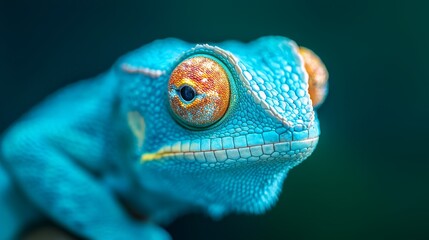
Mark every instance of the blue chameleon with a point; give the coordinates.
(171, 128)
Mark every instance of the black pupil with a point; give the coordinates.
(187, 93)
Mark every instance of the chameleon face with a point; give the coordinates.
(226, 122)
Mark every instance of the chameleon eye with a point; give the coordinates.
(199, 91)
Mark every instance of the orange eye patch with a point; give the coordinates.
(199, 91)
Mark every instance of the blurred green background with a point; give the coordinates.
(369, 176)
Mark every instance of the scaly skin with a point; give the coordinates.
(117, 137)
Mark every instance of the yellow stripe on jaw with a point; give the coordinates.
(154, 156)
(163, 152)
(150, 156)
(289, 148)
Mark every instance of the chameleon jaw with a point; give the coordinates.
(296, 150)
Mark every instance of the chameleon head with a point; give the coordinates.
(221, 126)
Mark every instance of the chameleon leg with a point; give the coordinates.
(68, 195)
(15, 211)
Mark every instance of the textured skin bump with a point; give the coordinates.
(118, 137)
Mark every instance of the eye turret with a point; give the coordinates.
(199, 91)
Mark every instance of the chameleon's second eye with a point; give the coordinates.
(199, 91)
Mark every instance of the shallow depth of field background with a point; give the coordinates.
(369, 176)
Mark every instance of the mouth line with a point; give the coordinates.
(287, 149)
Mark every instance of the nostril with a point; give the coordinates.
(317, 76)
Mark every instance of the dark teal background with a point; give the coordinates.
(369, 176)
